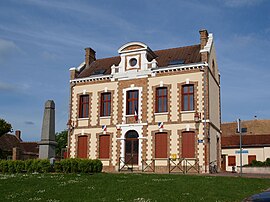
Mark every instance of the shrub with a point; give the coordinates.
(43, 166)
(4, 166)
(58, 167)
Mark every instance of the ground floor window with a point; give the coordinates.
(188, 144)
(82, 146)
(231, 161)
(104, 146)
(251, 158)
(161, 144)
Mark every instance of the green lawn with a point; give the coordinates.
(127, 187)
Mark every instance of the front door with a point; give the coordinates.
(131, 148)
(223, 162)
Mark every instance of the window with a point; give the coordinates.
(161, 99)
(132, 101)
(188, 98)
(104, 146)
(84, 106)
(132, 62)
(251, 158)
(188, 144)
(161, 145)
(82, 147)
(105, 104)
(231, 161)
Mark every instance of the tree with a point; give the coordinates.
(61, 139)
(5, 127)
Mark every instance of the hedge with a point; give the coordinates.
(255, 163)
(43, 166)
(78, 166)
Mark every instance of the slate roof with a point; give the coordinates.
(247, 141)
(190, 54)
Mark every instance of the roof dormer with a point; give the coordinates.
(136, 60)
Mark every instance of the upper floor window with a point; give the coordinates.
(161, 99)
(188, 97)
(105, 104)
(132, 101)
(84, 106)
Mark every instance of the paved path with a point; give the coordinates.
(247, 175)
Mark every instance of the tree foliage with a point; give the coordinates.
(61, 139)
(5, 127)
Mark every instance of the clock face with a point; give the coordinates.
(132, 62)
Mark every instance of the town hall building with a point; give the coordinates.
(148, 110)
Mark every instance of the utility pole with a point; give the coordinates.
(239, 130)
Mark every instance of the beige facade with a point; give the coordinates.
(140, 69)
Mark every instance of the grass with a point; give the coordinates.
(127, 187)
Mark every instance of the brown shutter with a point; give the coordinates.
(82, 147)
(104, 146)
(251, 158)
(188, 145)
(231, 161)
(161, 142)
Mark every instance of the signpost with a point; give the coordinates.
(240, 134)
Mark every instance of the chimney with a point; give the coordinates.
(203, 37)
(18, 134)
(90, 56)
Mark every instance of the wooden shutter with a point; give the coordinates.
(188, 145)
(251, 158)
(161, 143)
(104, 146)
(82, 147)
(231, 161)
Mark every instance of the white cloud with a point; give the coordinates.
(6, 49)
(11, 87)
(241, 3)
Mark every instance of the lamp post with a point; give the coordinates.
(239, 130)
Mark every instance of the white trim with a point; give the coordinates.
(77, 68)
(180, 67)
(120, 50)
(91, 78)
(208, 45)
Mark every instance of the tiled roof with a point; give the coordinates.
(253, 127)
(190, 54)
(233, 141)
(30, 147)
(8, 141)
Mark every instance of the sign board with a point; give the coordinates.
(200, 141)
(243, 152)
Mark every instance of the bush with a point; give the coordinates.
(4, 166)
(43, 166)
(256, 163)
(79, 166)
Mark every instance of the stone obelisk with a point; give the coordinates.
(47, 144)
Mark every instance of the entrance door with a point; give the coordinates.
(131, 147)
(223, 162)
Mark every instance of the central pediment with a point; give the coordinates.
(132, 46)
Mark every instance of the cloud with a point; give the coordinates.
(48, 55)
(6, 49)
(29, 123)
(11, 87)
(241, 3)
